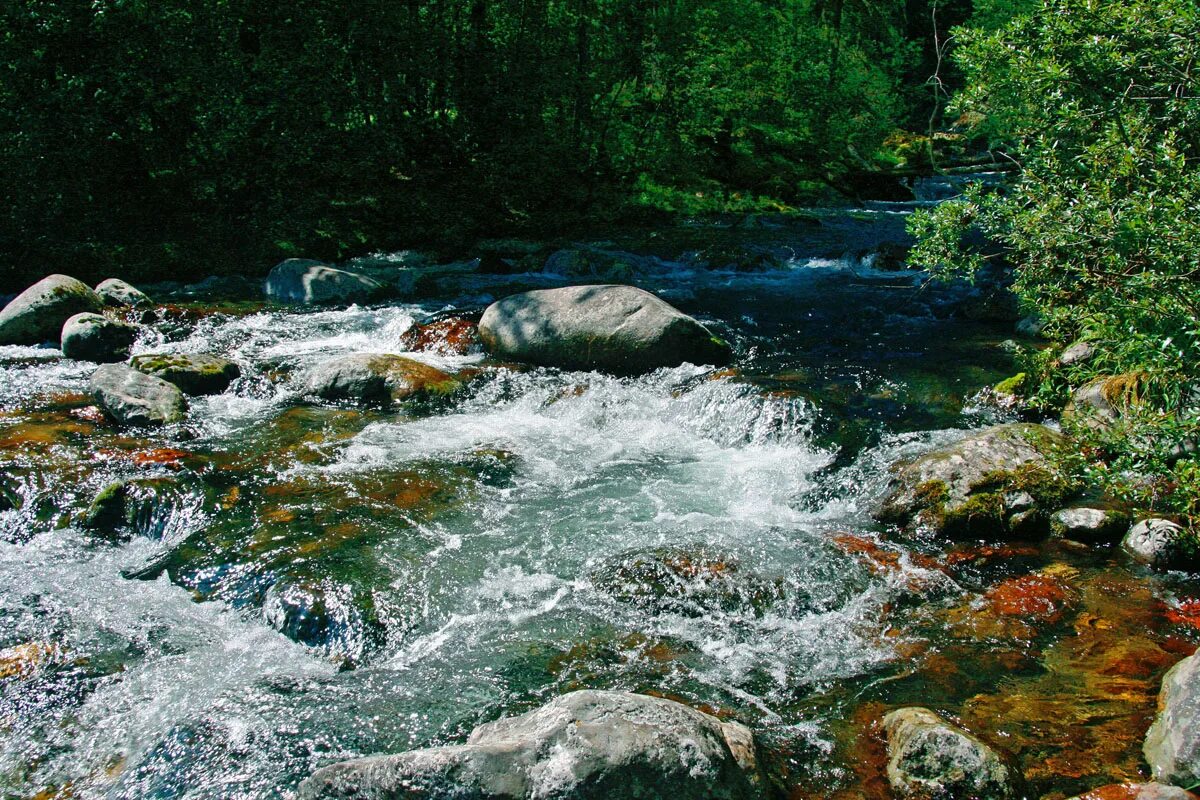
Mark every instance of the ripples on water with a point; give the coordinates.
(545, 531)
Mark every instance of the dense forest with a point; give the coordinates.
(149, 138)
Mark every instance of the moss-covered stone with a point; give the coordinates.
(996, 482)
(1012, 386)
(195, 374)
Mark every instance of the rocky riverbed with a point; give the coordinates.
(273, 537)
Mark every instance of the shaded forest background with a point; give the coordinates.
(160, 138)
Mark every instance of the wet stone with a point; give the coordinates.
(326, 615)
(93, 337)
(1172, 747)
(453, 336)
(687, 581)
(116, 292)
(930, 759)
(997, 481)
(375, 379)
(619, 329)
(586, 744)
(194, 374)
(133, 398)
(307, 282)
(1162, 544)
(1092, 524)
(142, 506)
(38, 313)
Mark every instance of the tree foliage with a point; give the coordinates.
(1098, 102)
(161, 137)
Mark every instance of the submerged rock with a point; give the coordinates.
(996, 481)
(1172, 746)
(116, 292)
(619, 329)
(93, 337)
(378, 379)
(930, 759)
(141, 506)
(1162, 544)
(688, 581)
(37, 314)
(196, 374)
(326, 615)
(133, 398)
(300, 280)
(1092, 524)
(590, 745)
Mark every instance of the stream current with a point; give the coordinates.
(304, 583)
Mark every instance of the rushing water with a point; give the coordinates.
(308, 583)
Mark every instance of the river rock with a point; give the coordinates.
(37, 314)
(1101, 402)
(300, 280)
(94, 337)
(995, 481)
(1078, 353)
(586, 745)
(1136, 791)
(453, 336)
(142, 506)
(193, 373)
(691, 581)
(325, 615)
(1162, 544)
(1093, 524)
(930, 759)
(372, 378)
(1172, 746)
(116, 292)
(619, 329)
(134, 398)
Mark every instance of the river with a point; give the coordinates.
(303, 583)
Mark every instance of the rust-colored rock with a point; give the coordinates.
(453, 336)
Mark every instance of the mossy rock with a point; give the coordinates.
(1101, 402)
(194, 374)
(996, 482)
(1012, 386)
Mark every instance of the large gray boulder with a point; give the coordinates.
(133, 398)
(619, 329)
(586, 745)
(193, 373)
(299, 280)
(94, 337)
(1172, 746)
(378, 379)
(1162, 544)
(116, 292)
(996, 481)
(37, 314)
(928, 758)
